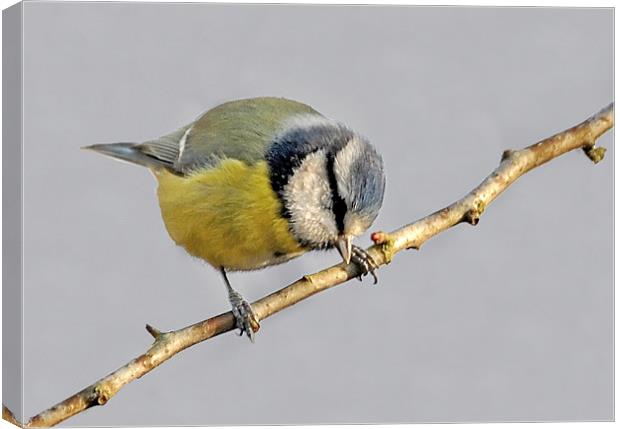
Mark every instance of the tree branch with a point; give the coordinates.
(10, 417)
(468, 209)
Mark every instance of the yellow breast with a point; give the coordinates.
(227, 215)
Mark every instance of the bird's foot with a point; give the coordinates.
(246, 319)
(365, 262)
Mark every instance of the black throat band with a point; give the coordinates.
(339, 207)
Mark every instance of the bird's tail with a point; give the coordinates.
(128, 152)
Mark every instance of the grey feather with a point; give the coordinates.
(165, 148)
(128, 152)
(157, 153)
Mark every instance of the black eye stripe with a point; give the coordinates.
(287, 152)
(339, 207)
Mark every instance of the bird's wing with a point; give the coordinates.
(241, 129)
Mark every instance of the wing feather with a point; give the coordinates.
(241, 129)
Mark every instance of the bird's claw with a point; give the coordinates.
(246, 319)
(365, 262)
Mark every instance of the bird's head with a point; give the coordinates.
(330, 181)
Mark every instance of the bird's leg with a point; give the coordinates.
(247, 321)
(365, 262)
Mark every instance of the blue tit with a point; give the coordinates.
(256, 182)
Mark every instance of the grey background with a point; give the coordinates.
(511, 320)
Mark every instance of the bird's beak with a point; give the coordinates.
(343, 244)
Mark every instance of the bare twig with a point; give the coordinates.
(468, 209)
(9, 416)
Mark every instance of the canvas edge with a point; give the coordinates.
(12, 201)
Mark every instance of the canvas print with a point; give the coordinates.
(324, 214)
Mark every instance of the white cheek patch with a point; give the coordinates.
(342, 165)
(307, 197)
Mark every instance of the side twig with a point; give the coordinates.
(468, 209)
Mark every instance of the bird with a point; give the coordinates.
(256, 182)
